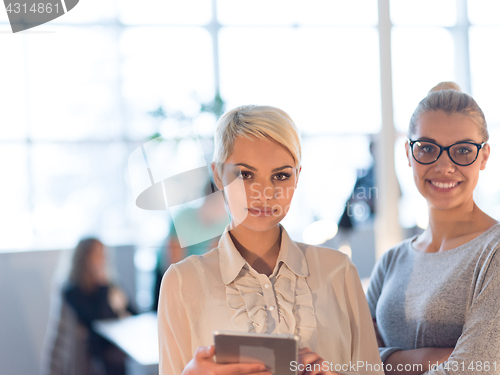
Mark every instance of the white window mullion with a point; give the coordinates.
(388, 231)
(461, 37)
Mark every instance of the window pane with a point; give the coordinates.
(12, 88)
(486, 194)
(484, 12)
(319, 194)
(72, 76)
(337, 12)
(15, 221)
(4, 19)
(289, 12)
(79, 189)
(299, 70)
(421, 58)
(176, 74)
(183, 155)
(424, 12)
(255, 12)
(89, 11)
(175, 12)
(484, 61)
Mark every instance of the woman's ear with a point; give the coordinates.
(297, 174)
(217, 178)
(486, 154)
(407, 149)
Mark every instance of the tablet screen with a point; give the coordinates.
(277, 352)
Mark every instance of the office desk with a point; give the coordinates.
(137, 336)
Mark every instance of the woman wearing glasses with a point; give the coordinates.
(434, 298)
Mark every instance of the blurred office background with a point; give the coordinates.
(81, 93)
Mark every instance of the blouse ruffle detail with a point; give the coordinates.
(294, 300)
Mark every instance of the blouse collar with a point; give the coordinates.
(231, 261)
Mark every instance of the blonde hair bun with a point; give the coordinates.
(447, 85)
(447, 97)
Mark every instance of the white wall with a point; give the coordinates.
(25, 283)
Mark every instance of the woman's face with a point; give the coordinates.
(444, 184)
(260, 196)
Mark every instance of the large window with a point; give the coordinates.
(81, 93)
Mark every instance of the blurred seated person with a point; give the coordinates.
(364, 193)
(92, 296)
(198, 226)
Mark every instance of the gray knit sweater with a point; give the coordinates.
(445, 299)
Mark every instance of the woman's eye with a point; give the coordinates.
(281, 176)
(464, 151)
(427, 149)
(246, 175)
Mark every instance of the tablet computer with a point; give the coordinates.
(277, 352)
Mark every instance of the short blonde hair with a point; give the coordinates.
(447, 97)
(264, 122)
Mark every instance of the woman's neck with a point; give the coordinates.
(259, 249)
(448, 229)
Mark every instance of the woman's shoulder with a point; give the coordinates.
(487, 244)
(400, 252)
(193, 266)
(207, 259)
(325, 260)
(491, 235)
(400, 248)
(320, 251)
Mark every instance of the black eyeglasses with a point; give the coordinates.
(461, 153)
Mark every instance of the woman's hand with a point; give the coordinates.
(117, 300)
(312, 361)
(416, 361)
(203, 364)
(380, 342)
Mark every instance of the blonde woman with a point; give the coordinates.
(435, 297)
(258, 279)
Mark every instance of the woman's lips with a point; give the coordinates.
(261, 212)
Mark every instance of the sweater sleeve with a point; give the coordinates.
(174, 331)
(373, 294)
(364, 346)
(478, 348)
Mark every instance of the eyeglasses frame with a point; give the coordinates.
(447, 149)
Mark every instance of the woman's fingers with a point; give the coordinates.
(312, 363)
(242, 369)
(306, 356)
(203, 363)
(204, 352)
(304, 350)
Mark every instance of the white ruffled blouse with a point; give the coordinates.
(313, 292)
